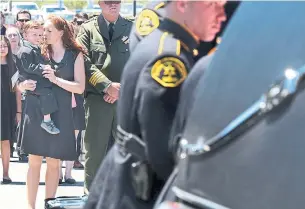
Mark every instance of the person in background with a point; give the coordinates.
(22, 17)
(78, 20)
(106, 38)
(2, 22)
(79, 111)
(13, 35)
(8, 104)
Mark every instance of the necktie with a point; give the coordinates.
(110, 27)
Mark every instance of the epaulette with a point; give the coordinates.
(160, 5)
(129, 18)
(168, 43)
(169, 71)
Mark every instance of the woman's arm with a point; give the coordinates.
(78, 85)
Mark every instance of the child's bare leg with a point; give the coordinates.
(47, 118)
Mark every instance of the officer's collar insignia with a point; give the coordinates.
(218, 40)
(169, 72)
(147, 22)
(195, 52)
(125, 40)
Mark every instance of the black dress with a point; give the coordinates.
(8, 105)
(37, 141)
(79, 113)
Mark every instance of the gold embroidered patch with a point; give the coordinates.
(147, 22)
(169, 72)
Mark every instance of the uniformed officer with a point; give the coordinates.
(137, 166)
(187, 98)
(106, 39)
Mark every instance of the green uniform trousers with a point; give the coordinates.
(100, 123)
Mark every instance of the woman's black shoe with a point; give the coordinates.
(6, 181)
(60, 181)
(70, 181)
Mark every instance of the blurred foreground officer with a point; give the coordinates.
(106, 38)
(135, 169)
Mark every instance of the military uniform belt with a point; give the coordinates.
(131, 143)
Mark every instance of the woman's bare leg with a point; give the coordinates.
(33, 178)
(6, 155)
(52, 177)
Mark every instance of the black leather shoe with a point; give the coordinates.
(70, 181)
(6, 181)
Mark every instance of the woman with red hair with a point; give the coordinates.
(65, 69)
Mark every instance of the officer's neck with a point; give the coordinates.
(110, 18)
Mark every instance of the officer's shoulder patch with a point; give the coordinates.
(147, 22)
(169, 71)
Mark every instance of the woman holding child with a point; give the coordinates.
(59, 50)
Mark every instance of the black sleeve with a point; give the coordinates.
(157, 104)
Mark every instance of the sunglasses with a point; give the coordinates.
(112, 2)
(23, 20)
(79, 22)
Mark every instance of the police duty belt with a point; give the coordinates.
(279, 92)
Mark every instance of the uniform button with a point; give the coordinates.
(126, 50)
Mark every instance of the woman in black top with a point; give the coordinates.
(8, 105)
(66, 56)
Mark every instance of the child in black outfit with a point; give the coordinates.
(30, 64)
